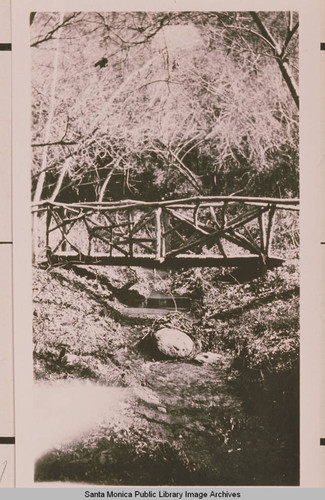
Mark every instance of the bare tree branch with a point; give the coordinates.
(105, 183)
(50, 34)
(183, 169)
(249, 30)
(288, 38)
(283, 64)
(56, 143)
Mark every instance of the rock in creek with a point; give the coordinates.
(173, 343)
(209, 358)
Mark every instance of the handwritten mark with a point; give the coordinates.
(3, 466)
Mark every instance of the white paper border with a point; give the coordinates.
(312, 456)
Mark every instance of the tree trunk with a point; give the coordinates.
(60, 179)
(41, 179)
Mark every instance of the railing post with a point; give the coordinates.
(224, 214)
(130, 228)
(218, 241)
(261, 222)
(196, 214)
(166, 244)
(269, 232)
(159, 254)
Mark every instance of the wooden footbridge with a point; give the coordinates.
(200, 231)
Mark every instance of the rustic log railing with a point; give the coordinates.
(200, 231)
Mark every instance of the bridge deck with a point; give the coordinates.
(181, 261)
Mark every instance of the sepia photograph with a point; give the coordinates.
(165, 247)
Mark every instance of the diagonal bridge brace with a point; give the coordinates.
(229, 230)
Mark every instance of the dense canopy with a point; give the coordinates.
(160, 105)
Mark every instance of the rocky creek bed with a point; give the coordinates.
(167, 422)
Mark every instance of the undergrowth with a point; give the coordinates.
(81, 331)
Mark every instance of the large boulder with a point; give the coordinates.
(173, 343)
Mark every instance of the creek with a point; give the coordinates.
(177, 423)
